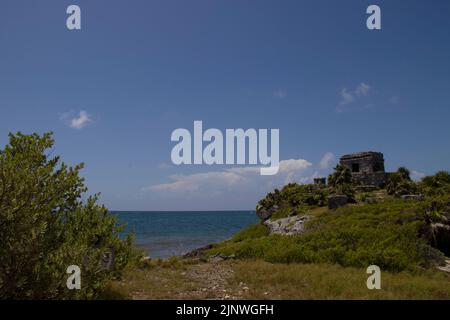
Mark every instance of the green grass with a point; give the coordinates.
(254, 231)
(324, 281)
(384, 234)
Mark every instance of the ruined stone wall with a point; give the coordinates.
(378, 179)
(367, 168)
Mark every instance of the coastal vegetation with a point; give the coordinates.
(48, 224)
(378, 227)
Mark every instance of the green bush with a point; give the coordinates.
(281, 213)
(436, 185)
(295, 197)
(340, 182)
(45, 226)
(400, 183)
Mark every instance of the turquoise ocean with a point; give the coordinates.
(163, 234)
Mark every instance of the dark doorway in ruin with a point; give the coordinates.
(355, 167)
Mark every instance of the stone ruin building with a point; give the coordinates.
(367, 168)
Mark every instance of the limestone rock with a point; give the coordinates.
(287, 226)
(265, 213)
(220, 257)
(197, 253)
(446, 267)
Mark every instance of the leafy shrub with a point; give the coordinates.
(281, 213)
(437, 222)
(46, 227)
(295, 197)
(437, 184)
(400, 183)
(340, 182)
(340, 176)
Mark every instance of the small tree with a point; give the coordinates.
(46, 227)
(400, 183)
(341, 182)
(437, 184)
(340, 176)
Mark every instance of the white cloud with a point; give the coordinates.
(327, 160)
(77, 121)
(280, 93)
(238, 178)
(349, 97)
(362, 89)
(81, 121)
(346, 97)
(197, 181)
(293, 165)
(226, 188)
(417, 175)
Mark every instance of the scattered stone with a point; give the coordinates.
(337, 201)
(287, 226)
(220, 257)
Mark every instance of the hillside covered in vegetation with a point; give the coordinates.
(387, 227)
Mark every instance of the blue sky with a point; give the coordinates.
(113, 92)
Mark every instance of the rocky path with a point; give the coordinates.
(213, 281)
(201, 280)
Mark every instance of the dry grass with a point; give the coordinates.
(177, 280)
(242, 279)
